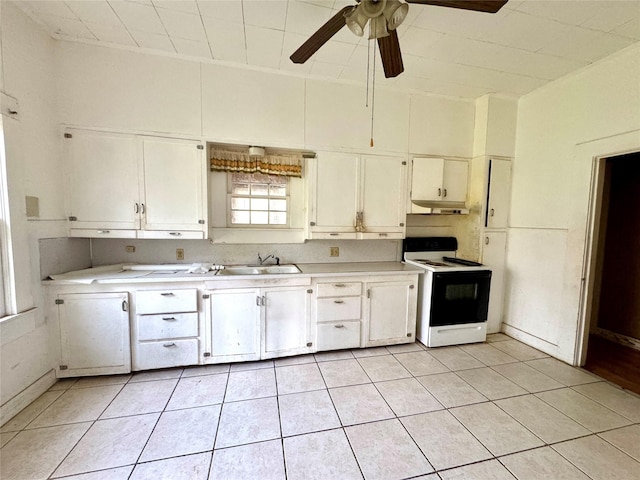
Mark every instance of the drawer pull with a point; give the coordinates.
(339, 326)
(338, 301)
(169, 319)
(339, 285)
(167, 294)
(334, 234)
(175, 234)
(104, 231)
(169, 345)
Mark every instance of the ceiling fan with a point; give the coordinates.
(383, 16)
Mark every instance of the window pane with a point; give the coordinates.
(259, 204)
(240, 217)
(277, 190)
(278, 218)
(259, 218)
(239, 203)
(240, 188)
(279, 205)
(241, 177)
(259, 189)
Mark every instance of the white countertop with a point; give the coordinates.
(110, 274)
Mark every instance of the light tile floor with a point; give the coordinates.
(499, 410)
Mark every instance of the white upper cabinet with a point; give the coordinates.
(174, 192)
(438, 180)
(353, 196)
(383, 182)
(499, 193)
(102, 175)
(127, 186)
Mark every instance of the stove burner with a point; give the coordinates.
(433, 263)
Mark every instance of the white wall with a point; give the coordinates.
(544, 266)
(33, 168)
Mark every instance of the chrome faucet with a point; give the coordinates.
(262, 260)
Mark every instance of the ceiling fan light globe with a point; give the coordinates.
(373, 8)
(395, 12)
(378, 28)
(356, 21)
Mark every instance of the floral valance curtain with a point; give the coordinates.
(229, 161)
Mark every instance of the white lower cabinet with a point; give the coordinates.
(233, 320)
(93, 334)
(258, 323)
(166, 329)
(493, 255)
(391, 311)
(364, 312)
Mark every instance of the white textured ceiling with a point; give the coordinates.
(445, 51)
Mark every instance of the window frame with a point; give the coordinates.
(231, 196)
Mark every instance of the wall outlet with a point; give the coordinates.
(179, 253)
(334, 251)
(130, 248)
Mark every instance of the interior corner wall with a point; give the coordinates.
(543, 270)
(33, 169)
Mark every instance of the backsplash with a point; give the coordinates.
(60, 255)
(112, 251)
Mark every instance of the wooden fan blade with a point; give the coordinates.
(322, 36)
(488, 6)
(390, 54)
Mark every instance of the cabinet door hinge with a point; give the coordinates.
(409, 335)
(206, 295)
(63, 367)
(404, 163)
(309, 344)
(73, 219)
(68, 135)
(59, 301)
(201, 222)
(402, 224)
(411, 287)
(313, 224)
(206, 354)
(310, 291)
(368, 293)
(200, 147)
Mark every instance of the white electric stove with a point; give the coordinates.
(453, 294)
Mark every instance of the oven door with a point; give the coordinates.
(458, 298)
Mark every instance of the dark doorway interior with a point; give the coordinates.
(614, 341)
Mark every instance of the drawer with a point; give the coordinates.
(167, 325)
(338, 308)
(166, 301)
(170, 353)
(338, 289)
(337, 335)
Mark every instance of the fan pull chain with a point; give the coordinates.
(366, 102)
(373, 91)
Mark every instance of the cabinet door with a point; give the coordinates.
(383, 181)
(94, 334)
(391, 312)
(102, 175)
(173, 190)
(499, 193)
(286, 321)
(334, 196)
(426, 179)
(234, 318)
(493, 255)
(456, 178)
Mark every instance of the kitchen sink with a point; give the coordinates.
(259, 270)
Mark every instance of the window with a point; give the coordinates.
(256, 199)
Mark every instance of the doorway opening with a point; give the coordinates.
(613, 350)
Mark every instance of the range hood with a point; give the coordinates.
(440, 208)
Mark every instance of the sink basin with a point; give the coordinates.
(260, 270)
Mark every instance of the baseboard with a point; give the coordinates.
(532, 341)
(13, 406)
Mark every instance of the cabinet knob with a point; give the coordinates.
(486, 240)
